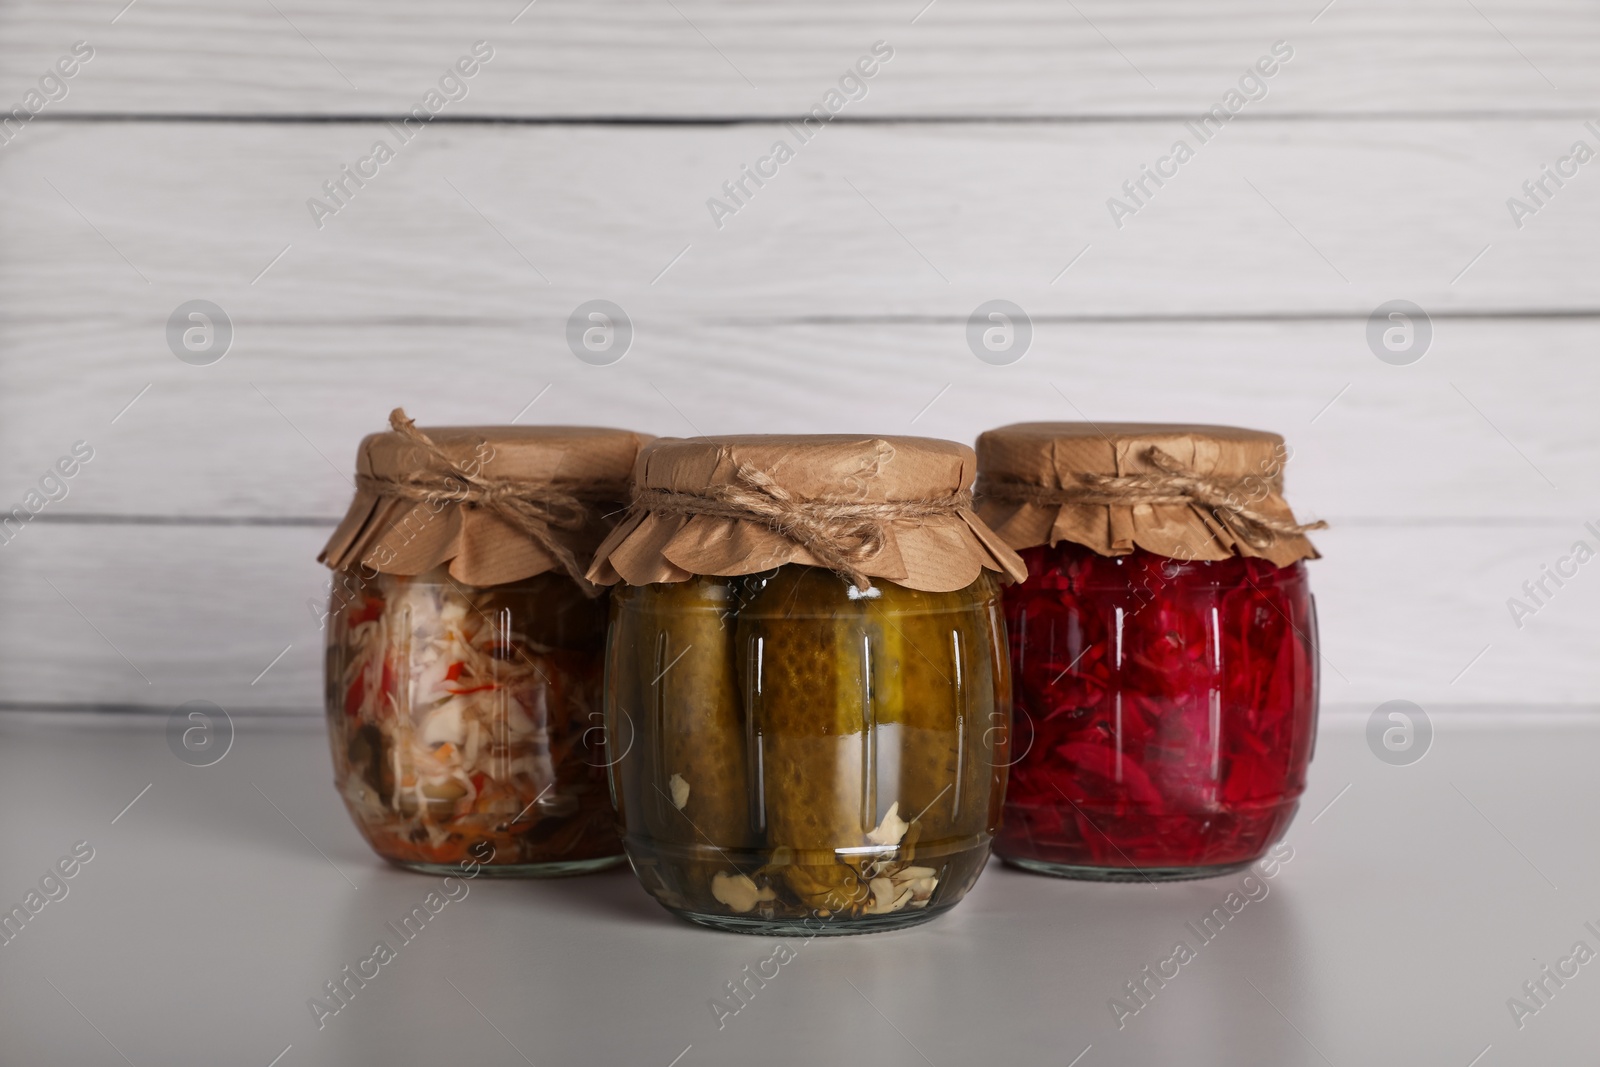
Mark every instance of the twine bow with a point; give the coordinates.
(843, 537)
(1171, 483)
(537, 511)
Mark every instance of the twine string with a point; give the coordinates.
(538, 511)
(1171, 483)
(842, 536)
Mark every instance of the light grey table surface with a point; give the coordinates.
(1416, 903)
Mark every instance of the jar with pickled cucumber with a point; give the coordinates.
(802, 745)
(465, 649)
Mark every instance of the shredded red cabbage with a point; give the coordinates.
(1166, 710)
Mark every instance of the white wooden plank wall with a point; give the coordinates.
(716, 58)
(178, 163)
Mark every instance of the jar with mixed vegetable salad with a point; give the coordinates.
(807, 679)
(465, 647)
(1163, 647)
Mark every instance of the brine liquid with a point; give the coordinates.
(791, 750)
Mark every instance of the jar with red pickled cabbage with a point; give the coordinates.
(1163, 647)
(465, 648)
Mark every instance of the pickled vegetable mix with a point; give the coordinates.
(803, 750)
(461, 716)
(466, 648)
(1163, 648)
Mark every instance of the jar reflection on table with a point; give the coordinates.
(464, 720)
(795, 756)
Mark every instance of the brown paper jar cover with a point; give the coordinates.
(938, 553)
(397, 536)
(1055, 455)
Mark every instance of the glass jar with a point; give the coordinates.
(1165, 712)
(796, 756)
(466, 649)
(465, 722)
(1163, 647)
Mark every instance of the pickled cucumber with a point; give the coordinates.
(933, 671)
(677, 728)
(810, 705)
(699, 784)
